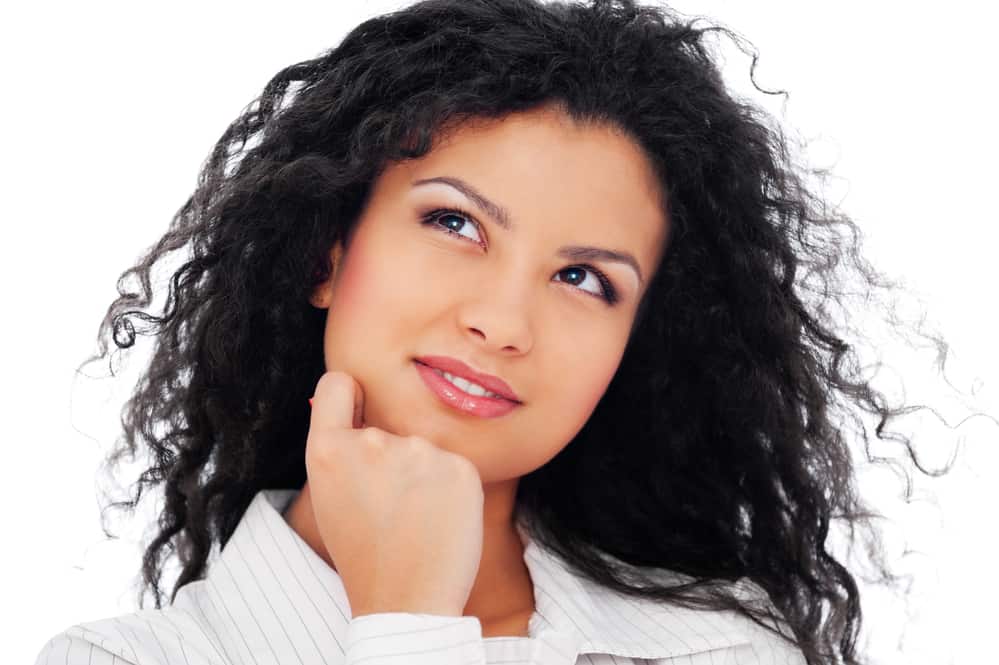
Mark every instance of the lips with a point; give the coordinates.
(458, 368)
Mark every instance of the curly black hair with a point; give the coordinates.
(730, 464)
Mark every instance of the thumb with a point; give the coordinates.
(338, 402)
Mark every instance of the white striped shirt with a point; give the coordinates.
(268, 598)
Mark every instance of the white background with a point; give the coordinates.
(109, 109)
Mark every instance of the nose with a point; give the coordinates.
(498, 327)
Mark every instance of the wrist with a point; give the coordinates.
(437, 609)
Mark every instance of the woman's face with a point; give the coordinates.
(509, 302)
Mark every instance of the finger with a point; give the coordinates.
(358, 405)
(338, 402)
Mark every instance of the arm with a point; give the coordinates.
(79, 646)
(152, 638)
(397, 638)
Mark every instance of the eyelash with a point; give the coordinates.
(429, 219)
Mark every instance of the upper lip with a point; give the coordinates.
(454, 366)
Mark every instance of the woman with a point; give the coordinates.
(542, 281)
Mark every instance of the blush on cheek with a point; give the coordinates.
(350, 279)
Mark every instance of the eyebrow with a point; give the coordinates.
(501, 216)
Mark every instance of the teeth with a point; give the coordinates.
(468, 386)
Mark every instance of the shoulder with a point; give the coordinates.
(147, 637)
(733, 638)
(747, 643)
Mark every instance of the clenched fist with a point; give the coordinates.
(400, 518)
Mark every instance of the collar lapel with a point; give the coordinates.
(268, 565)
(598, 620)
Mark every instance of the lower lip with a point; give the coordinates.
(453, 396)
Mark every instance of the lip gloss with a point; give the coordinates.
(456, 398)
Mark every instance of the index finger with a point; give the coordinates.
(338, 402)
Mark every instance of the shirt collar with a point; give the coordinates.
(573, 611)
(601, 620)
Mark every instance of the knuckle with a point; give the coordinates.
(372, 437)
(410, 451)
(319, 451)
(417, 443)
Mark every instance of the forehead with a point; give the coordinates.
(547, 143)
(590, 182)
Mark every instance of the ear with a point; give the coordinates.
(322, 295)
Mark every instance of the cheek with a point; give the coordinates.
(574, 397)
(366, 286)
(348, 292)
(585, 366)
(353, 318)
(374, 300)
(589, 389)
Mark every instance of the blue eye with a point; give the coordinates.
(458, 218)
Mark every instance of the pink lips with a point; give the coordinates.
(451, 395)
(493, 384)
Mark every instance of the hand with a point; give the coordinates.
(400, 518)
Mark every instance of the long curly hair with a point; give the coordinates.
(714, 454)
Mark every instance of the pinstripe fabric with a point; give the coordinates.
(268, 598)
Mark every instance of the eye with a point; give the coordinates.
(606, 291)
(452, 220)
(455, 220)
